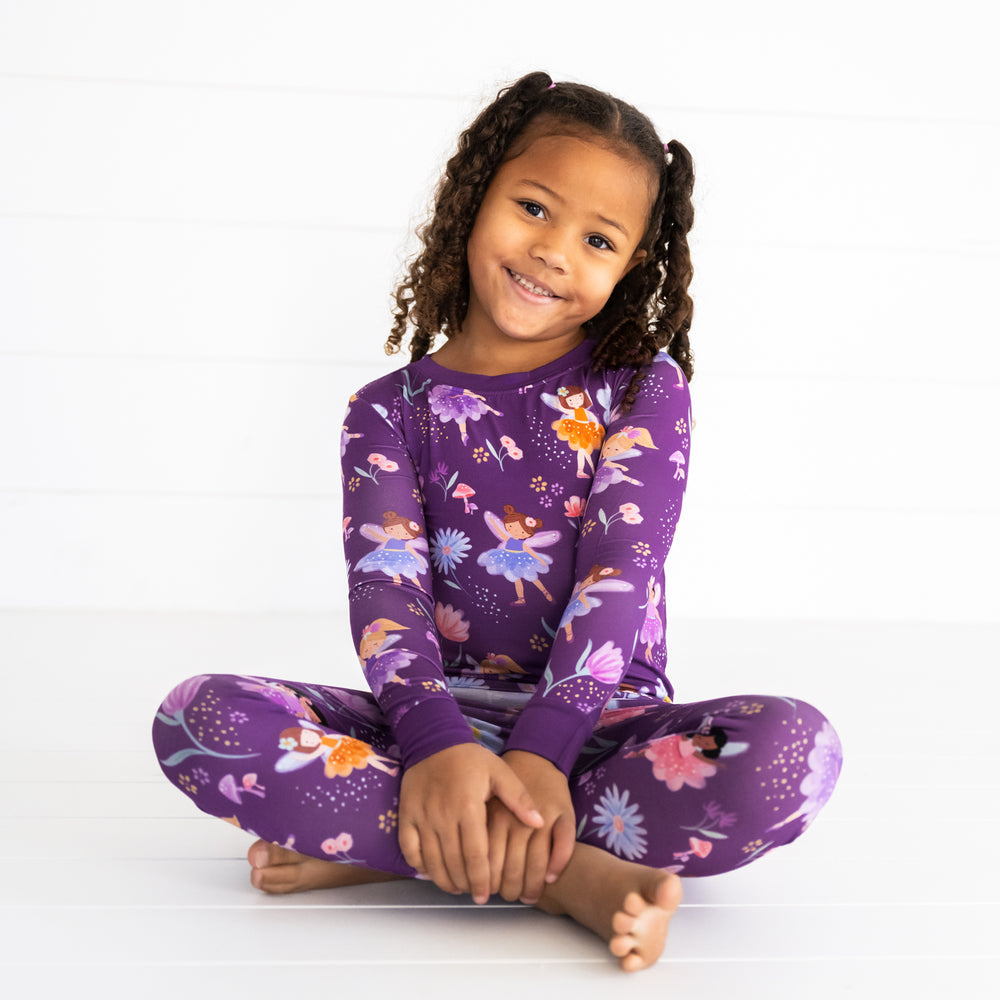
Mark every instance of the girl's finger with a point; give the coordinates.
(434, 864)
(453, 861)
(512, 883)
(535, 867)
(563, 845)
(409, 846)
(475, 850)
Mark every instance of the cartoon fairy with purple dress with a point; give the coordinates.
(651, 632)
(460, 405)
(381, 664)
(624, 444)
(400, 550)
(514, 558)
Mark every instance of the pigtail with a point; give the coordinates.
(676, 307)
(434, 296)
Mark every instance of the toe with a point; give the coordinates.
(621, 944)
(622, 923)
(634, 904)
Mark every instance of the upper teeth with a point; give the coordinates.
(531, 288)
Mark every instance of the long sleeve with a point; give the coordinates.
(613, 620)
(389, 580)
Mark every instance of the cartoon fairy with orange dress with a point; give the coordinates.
(583, 431)
(341, 754)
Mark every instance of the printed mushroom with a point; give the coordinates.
(462, 492)
(678, 459)
(250, 785)
(229, 788)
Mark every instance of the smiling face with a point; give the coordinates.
(558, 228)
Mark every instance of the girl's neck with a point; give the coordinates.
(474, 356)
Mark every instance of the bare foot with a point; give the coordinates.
(628, 905)
(276, 869)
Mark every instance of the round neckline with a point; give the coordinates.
(512, 380)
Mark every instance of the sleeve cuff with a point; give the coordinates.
(551, 732)
(432, 725)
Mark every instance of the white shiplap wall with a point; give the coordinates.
(203, 204)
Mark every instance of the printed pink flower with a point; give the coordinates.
(388, 466)
(376, 459)
(345, 842)
(630, 513)
(605, 664)
(451, 623)
(507, 442)
(575, 507)
(329, 846)
(515, 453)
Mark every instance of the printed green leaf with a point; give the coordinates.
(176, 758)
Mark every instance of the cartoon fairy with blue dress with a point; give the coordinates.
(514, 558)
(582, 601)
(400, 550)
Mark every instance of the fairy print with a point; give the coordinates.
(340, 754)
(624, 444)
(651, 632)
(380, 663)
(515, 557)
(460, 405)
(689, 758)
(577, 426)
(599, 579)
(281, 694)
(400, 550)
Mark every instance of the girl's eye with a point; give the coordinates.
(599, 242)
(533, 209)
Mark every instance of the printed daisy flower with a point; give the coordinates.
(681, 426)
(619, 824)
(538, 484)
(448, 548)
(480, 455)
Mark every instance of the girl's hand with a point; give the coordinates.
(442, 815)
(523, 860)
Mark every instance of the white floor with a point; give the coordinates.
(112, 883)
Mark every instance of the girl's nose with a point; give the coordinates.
(551, 253)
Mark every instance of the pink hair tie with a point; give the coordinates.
(550, 86)
(670, 156)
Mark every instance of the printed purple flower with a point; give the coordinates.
(605, 664)
(619, 824)
(824, 769)
(183, 694)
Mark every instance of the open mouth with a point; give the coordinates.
(529, 286)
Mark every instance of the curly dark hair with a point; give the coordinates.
(649, 308)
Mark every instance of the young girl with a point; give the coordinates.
(556, 258)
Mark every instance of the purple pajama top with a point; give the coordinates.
(505, 539)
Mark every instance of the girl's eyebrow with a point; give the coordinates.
(561, 200)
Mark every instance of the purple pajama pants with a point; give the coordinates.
(698, 789)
